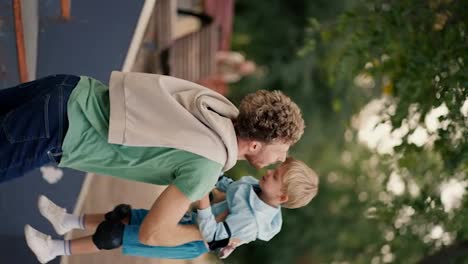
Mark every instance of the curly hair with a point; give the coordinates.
(269, 116)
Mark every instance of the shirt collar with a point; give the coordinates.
(260, 206)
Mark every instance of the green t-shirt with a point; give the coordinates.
(85, 148)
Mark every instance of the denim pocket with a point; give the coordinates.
(28, 122)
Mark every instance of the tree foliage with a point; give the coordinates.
(403, 60)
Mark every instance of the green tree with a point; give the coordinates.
(398, 63)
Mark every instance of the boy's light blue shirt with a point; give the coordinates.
(249, 217)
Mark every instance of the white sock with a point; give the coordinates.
(60, 247)
(58, 216)
(43, 246)
(71, 221)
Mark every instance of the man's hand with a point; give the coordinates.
(218, 196)
(160, 227)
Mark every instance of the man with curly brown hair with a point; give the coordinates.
(144, 127)
(269, 121)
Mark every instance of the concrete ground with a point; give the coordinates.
(92, 43)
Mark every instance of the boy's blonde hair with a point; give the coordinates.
(299, 182)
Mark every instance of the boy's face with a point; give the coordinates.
(272, 186)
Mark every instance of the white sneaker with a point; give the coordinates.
(54, 213)
(39, 243)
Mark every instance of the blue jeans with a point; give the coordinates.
(33, 120)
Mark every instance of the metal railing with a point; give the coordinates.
(65, 14)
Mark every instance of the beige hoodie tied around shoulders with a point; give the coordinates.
(161, 111)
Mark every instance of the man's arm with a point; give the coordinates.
(160, 227)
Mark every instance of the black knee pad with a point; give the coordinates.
(120, 212)
(108, 235)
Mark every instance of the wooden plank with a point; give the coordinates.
(193, 56)
(165, 12)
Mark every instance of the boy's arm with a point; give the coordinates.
(223, 183)
(209, 228)
(218, 234)
(227, 250)
(160, 227)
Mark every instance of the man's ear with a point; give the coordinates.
(255, 146)
(283, 198)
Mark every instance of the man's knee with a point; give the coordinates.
(108, 235)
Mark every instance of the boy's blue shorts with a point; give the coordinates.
(132, 246)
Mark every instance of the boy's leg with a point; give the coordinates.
(46, 249)
(108, 235)
(83, 245)
(33, 121)
(64, 222)
(121, 213)
(91, 221)
(59, 218)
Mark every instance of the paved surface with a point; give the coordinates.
(93, 43)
